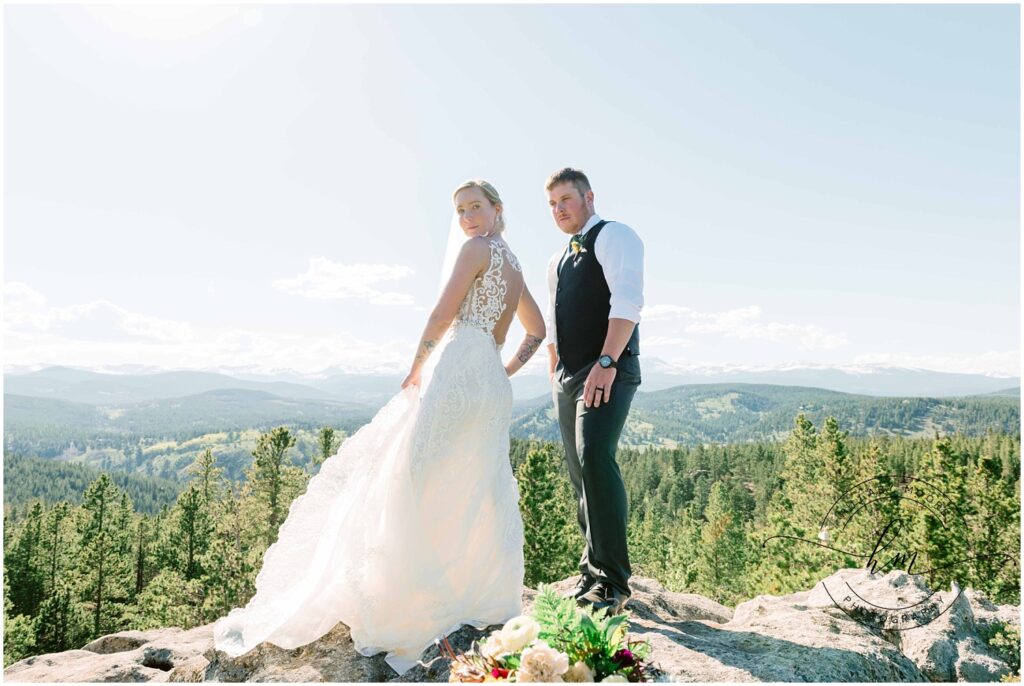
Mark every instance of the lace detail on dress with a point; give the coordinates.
(413, 527)
(485, 302)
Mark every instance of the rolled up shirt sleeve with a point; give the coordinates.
(549, 320)
(620, 252)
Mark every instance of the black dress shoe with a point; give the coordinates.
(595, 594)
(603, 595)
(614, 602)
(582, 586)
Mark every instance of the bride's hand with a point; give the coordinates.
(412, 380)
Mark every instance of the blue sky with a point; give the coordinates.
(268, 187)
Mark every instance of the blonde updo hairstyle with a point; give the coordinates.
(491, 194)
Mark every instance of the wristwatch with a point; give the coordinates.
(606, 361)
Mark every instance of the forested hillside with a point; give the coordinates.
(51, 481)
(722, 521)
(733, 413)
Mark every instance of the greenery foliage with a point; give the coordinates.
(583, 634)
(125, 553)
(1004, 640)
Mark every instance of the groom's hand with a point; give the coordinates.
(598, 386)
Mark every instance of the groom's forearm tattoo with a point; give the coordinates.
(528, 348)
(425, 349)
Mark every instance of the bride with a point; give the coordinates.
(413, 528)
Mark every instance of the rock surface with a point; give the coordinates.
(800, 637)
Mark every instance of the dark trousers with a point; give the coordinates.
(591, 436)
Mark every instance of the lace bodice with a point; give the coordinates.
(379, 538)
(485, 302)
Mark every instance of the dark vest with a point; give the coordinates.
(582, 304)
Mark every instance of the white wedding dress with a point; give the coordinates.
(413, 528)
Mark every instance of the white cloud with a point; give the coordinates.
(26, 309)
(327, 280)
(991, 363)
(666, 341)
(391, 299)
(22, 305)
(103, 334)
(742, 323)
(654, 313)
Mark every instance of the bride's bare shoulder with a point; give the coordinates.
(476, 248)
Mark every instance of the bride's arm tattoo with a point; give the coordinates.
(424, 351)
(429, 341)
(523, 355)
(528, 348)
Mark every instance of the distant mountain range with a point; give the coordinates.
(865, 379)
(372, 390)
(81, 386)
(155, 425)
(738, 412)
(56, 406)
(232, 409)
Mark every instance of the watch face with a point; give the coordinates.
(605, 361)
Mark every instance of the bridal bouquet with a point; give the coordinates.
(558, 642)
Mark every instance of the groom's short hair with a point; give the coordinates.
(569, 175)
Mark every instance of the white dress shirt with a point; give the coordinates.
(620, 252)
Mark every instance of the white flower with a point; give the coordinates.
(494, 646)
(518, 632)
(579, 673)
(614, 679)
(541, 663)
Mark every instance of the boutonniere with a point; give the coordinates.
(576, 245)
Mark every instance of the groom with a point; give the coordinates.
(596, 293)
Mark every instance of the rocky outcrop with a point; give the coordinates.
(800, 637)
(855, 640)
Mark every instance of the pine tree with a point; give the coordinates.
(801, 467)
(720, 566)
(61, 623)
(141, 555)
(837, 464)
(124, 523)
(105, 555)
(207, 474)
(57, 544)
(229, 573)
(940, 532)
(164, 546)
(169, 600)
(796, 511)
(19, 636)
(871, 509)
(272, 480)
(327, 444)
(683, 535)
(649, 548)
(833, 500)
(192, 529)
(549, 516)
(994, 514)
(26, 564)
